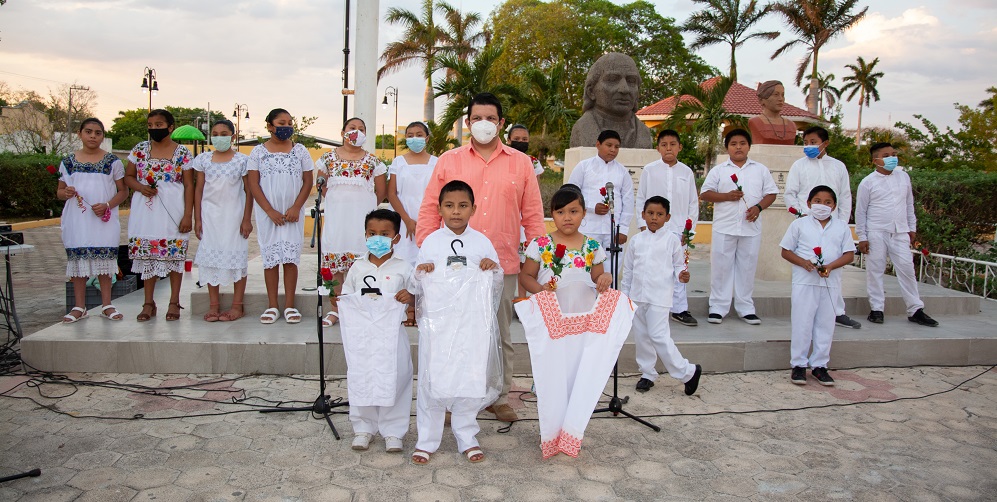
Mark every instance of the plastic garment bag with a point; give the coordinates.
(575, 337)
(460, 356)
(372, 332)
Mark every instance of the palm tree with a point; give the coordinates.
(827, 94)
(460, 39)
(703, 105)
(724, 21)
(543, 108)
(862, 81)
(988, 104)
(419, 44)
(470, 77)
(815, 23)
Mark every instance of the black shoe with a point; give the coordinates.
(693, 383)
(876, 316)
(752, 319)
(921, 318)
(821, 375)
(644, 385)
(715, 319)
(685, 318)
(848, 322)
(799, 375)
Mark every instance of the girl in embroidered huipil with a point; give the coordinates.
(223, 230)
(355, 184)
(90, 181)
(280, 179)
(162, 210)
(565, 254)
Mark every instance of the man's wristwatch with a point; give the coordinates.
(760, 208)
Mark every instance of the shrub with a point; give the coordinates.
(26, 188)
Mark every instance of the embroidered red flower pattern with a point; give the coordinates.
(560, 326)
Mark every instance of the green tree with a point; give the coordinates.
(440, 139)
(460, 39)
(725, 22)
(468, 78)
(543, 110)
(129, 127)
(814, 23)
(418, 45)
(827, 94)
(701, 111)
(862, 81)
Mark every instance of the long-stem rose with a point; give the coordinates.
(795, 212)
(688, 234)
(733, 178)
(820, 260)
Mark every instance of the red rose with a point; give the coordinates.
(817, 251)
(51, 169)
(924, 251)
(326, 273)
(150, 179)
(559, 250)
(792, 210)
(688, 224)
(733, 178)
(602, 191)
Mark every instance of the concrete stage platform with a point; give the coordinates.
(967, 335)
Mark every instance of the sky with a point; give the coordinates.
(288, 53)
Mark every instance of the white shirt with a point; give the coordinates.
(807, 173)
(391, 277)
(756, 182)
(591, 175)
(805, 234)
(437, 247)
(884, 203)
(677, 184)
(651, 265)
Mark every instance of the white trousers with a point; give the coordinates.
(390, 421)
(430, 418)
(812, 319)
(897, 247)
(733, 260)
(652, 336)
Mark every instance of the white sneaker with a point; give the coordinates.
(392, 444)
(361, 442)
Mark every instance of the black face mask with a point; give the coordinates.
(158, 135)
(520, 145)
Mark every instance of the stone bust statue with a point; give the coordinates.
(610, 102)
(771, 128)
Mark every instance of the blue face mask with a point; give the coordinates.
(890, 163)
(811, 151)
(416, 144)
(283, 133)
(378, 245)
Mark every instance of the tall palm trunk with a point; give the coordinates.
(814, 85)
(858, 130)
(733, 64)
(428, 101)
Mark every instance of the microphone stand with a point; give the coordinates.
(615, 402)
(323, 404)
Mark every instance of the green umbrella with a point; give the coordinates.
(188, 133)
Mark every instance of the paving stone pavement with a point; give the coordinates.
(942, 447)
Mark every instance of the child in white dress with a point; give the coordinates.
(223, 252)
(279, 174)
(162, 212)
(355, 185)
(90, 181)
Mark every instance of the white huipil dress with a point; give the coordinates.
(91, 244)
(281, 181)
(223, 253)
(411, 186)
(350, 196)
(155, 243)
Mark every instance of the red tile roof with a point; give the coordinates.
(740, 99)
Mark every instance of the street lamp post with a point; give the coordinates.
(392, 91)
(239, 108)
(69, 107)
(150, 84)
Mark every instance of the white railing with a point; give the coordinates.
(975, 277)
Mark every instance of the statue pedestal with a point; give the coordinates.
(775, 219)
(634, 159)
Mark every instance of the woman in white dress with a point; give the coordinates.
(279, 174)
(355, 185)
(409, 175)
(162, 210)
(223, 230)
(90, 181)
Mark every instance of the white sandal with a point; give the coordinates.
(292, 316)
(70, 319)
(329, 321)
(269, 316)
(114, 315)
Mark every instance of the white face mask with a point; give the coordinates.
(820, 211)
(484, 131)
(355, 137)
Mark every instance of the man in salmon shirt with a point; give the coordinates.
(507, 196)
